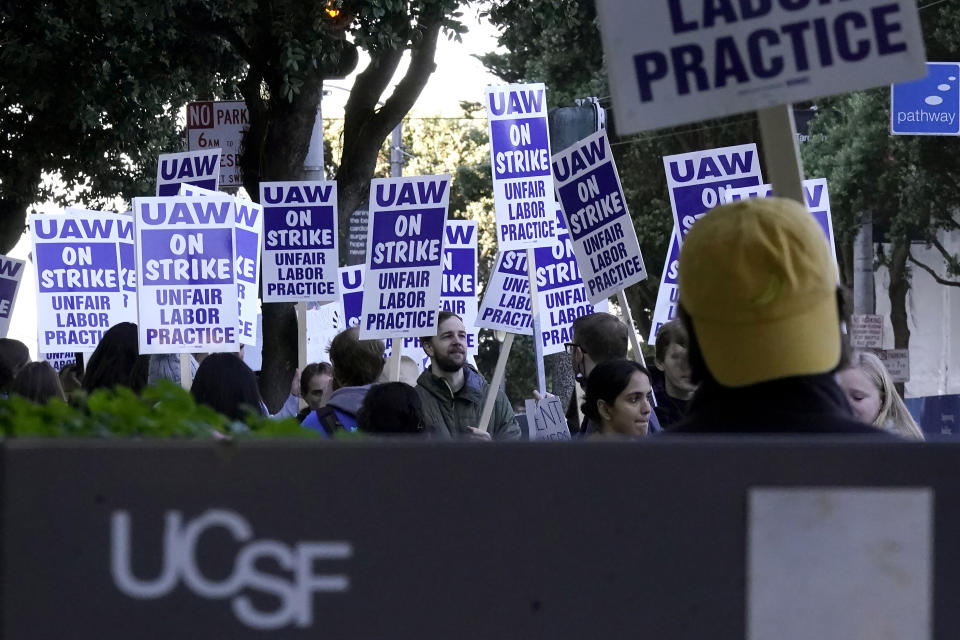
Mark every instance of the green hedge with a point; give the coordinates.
(164, 410)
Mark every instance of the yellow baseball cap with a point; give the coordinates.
(759, 282)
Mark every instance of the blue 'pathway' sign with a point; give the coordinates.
(929, 106)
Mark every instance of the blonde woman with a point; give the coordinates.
(873, 397)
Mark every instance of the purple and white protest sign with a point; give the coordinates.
(560, 291)
(818, 203)
(188, 280)
(595, 210)
(520, 156)
(11, 272)
(80, 286)
(404, 256)
(351, 294)
(506, 301)
(300, 248)
(351, 304)
(459, 292)
(197, 168)
(668, 296)
(247, 238)
(123, 236)
(59, 360)
(697, 180)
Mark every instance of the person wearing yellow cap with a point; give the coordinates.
(760, 299)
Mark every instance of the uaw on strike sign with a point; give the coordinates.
(188, 286)
(80, 278)
(678, 61)
(404, 256)
(520, 156)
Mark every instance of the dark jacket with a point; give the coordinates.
(447, 414)
(669, 410)
(803, 404)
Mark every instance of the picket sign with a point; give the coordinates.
(520, 165)
(495, 383)
(546, 419)
(11, 272)
(404, 263)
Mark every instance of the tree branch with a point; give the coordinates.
(933, 274)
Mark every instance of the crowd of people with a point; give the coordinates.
(758, 346)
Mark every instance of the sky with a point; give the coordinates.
(458, 76)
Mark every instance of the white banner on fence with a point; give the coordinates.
(80, 279)
(300, 250)
(697, 181)
(560, 291)
(595, 209)
(247, 238)
(188, 285)
(520, 158)
(196, 168)
(688, 60)
(404, 256)
(11, 273)
(506, 300)
(818, 203)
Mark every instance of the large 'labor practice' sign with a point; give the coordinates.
(560, 291)
(520, 157)
(80, 279)
(600, 226)
(300, 241)
(188, 284)
(678, 61)
(697, 180)
(506, 301)
(195, 168)
(459, 292)
(247, 236)
(404, 256)
(11, 273)
(816, 195)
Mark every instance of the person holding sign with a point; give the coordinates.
(453, 392)
(618, 398)
(759, 299)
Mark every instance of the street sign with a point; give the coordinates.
(212, 125)
(929, 106)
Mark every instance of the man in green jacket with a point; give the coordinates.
(453, 392)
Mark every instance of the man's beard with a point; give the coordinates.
(447, 363)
